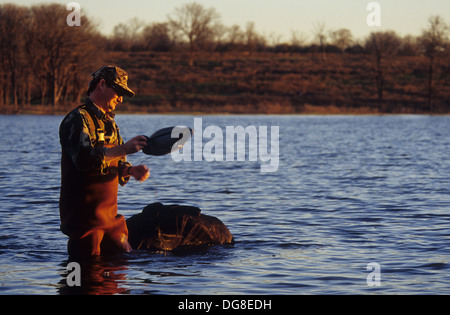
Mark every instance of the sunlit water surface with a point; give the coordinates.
(349, 191)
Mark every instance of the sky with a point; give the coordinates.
(274, 17)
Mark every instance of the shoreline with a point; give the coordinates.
(309, 110)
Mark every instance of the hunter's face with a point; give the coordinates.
(107, 97)
(112, 99)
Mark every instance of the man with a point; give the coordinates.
(93, 164)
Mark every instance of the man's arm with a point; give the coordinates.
(76, 142)
(140, 172)
(134, 145)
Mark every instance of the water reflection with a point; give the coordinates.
(145, 272)
(99, 276)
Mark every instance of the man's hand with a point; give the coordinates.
(135, 145)
(140, 172)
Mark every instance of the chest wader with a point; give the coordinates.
(91, 220)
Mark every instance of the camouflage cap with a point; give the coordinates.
(116, 78)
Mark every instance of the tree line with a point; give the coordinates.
(45, 61)
(42, 59)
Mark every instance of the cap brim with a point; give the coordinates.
(129, 92)
(125, 90)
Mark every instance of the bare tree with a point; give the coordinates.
(252, 38)
(275, 39)
(320, 34)
(298, 38)
(341, 38)
(381, 44)
(156, 37)
(12, 21)
(433, 42)
(59, 55)
(128, 35)
(409, 46)
(121, 37)
(235, 35)
(250, 34)
(195, 23)
(219, 33)
(42, 56)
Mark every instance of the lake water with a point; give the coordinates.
(349, 191)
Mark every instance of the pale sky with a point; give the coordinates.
(279, 17)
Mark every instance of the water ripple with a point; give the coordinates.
(350, 190)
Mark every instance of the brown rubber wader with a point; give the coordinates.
(88, 208)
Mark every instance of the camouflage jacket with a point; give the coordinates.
(84, 134)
